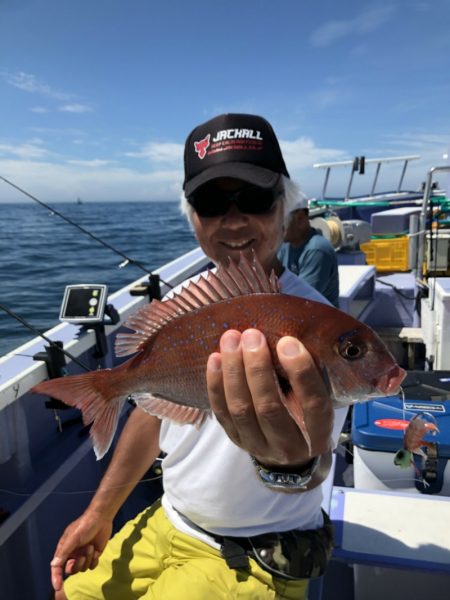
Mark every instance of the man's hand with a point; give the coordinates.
(80, 546)
(245, 397)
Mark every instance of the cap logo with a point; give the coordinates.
(237, 134)
(202, 145)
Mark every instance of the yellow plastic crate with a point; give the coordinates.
(390, 254)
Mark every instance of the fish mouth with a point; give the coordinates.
(389, 383)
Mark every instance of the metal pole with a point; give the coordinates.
(402, 176)
(325, 183)
(377, 172)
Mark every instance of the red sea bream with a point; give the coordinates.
(173, 339)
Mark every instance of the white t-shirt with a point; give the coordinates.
(214, 483)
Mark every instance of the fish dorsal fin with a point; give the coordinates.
(246, 277)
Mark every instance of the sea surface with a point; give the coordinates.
(40, 254)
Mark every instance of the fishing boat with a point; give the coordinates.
(391, 525)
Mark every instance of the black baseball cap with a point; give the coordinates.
(233, 145)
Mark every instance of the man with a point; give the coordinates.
(218, 496)
(308, 254)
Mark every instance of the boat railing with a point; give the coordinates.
(358, 165)
(427, 195)
(20, 371)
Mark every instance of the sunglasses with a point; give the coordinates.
(212, 201)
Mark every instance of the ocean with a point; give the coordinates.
(40, 254)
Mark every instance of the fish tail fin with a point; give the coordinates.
(100, 395)
(295, 409)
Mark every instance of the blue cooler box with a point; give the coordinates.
(376, 437)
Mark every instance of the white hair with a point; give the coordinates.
(289, 190)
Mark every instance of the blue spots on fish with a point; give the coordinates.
(226, 326)
(347, 334)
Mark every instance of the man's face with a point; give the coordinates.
(298, 227)
(229, 235)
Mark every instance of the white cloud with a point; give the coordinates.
(431, 148)
(422, 141)
(75, 108)
(30, 83)
(92, 164)
(328, 97)
(29, 165)
(55, 131)
(39, 109)
(53, 182)
(302, 153)
(164, 152)
(365, 22)
(26, 150)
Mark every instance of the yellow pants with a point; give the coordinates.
(150, 559)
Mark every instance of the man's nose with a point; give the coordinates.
(234, 215)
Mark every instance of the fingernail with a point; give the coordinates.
(290, 348)
(214, 363)
(251, 339)
(230, 341)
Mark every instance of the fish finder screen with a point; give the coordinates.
(84, 303)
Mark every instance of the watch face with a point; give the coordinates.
(286, 480)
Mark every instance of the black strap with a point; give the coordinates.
(234, 554)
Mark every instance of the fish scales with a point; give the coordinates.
(174, 365)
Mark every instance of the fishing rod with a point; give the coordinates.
(127, 260)
(37, 332)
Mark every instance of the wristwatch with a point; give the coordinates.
(284, 480)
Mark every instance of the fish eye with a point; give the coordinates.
(352, 350)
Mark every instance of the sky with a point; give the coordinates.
(98, 96)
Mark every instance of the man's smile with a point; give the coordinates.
(237, 244)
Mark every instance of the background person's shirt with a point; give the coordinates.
(315, 262)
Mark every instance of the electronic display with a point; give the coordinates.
(84, 303)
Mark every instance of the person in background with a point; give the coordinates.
(240, 516)
(310, 255)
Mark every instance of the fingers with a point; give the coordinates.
(245, 396)
(280, 433)
(309, 389)
(59, 562)
(87, 558)
(222, 388)
(56, 573)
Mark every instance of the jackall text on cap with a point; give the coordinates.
(233, 145)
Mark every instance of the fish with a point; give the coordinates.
(413, 441)
(172, 339)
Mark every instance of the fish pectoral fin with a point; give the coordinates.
(164, 408)
(295, 409)
(104, 426)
